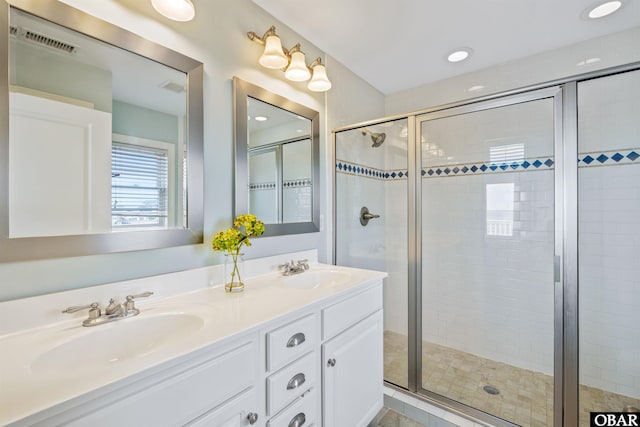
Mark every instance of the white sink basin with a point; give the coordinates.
(104, 345)
(312, 279)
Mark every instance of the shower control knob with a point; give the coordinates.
(252, 418)
(365, 216)
(331, 362)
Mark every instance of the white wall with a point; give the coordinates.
(216, 37)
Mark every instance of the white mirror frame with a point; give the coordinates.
(30, 248)
(241, 91)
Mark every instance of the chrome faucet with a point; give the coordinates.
(112, 312)
(289, 269)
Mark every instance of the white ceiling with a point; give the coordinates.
(400, 44)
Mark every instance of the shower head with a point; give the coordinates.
(377, 138)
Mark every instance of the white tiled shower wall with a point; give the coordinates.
(609, 235)
(382, 244)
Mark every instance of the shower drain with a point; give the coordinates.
(491, 390)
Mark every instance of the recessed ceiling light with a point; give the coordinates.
(261, 118)
(587, 62)
(603, 9)
(476, 88)
(459, 54)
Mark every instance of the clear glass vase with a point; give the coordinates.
(233, 272)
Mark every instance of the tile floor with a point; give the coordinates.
(389, 418)
(525, 398)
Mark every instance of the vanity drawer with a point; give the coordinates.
(290, 382)
(303, 411)
(290, 341)
(340, 316)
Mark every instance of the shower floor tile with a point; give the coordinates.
(525, 397)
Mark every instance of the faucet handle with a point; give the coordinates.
(304, 263)
(285, 266)
(142, 295)
(94, 309)
(130, 305)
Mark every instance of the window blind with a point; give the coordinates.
(139, 194)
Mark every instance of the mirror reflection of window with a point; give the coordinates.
(500, 209)
(141, 196)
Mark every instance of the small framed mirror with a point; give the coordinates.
(276, 160)
(102, 137)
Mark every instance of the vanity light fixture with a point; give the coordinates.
(291, 61)
(319, 81)
(297, 70)
(176, 10)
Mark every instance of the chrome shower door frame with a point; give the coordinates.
(415, 358)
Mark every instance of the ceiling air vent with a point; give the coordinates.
(41, 39)
(173, 86)
(48, 42)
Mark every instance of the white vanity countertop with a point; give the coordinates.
(36, 373)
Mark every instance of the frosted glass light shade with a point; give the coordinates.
(297, 70)
(177, 10)
(319, 81)
(273, 55)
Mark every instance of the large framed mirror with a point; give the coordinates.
(102, 136)
(277, 174)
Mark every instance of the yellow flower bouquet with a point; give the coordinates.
(231, 241)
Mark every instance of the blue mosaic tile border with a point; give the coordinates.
(295, 183)
(607, 158)
(542, 163)
(366, 171)
(262, 186)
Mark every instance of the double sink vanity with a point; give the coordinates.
(293, 351)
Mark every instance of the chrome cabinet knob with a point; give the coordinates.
(252, 418)
(331, 362)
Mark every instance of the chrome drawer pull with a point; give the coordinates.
(296, 381)
(298, 420)
(296, 340)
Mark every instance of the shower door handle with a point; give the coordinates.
(365, 216)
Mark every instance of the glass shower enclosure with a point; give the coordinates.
(475, 218)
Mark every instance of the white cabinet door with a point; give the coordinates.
(239, 412)
(352, 374)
